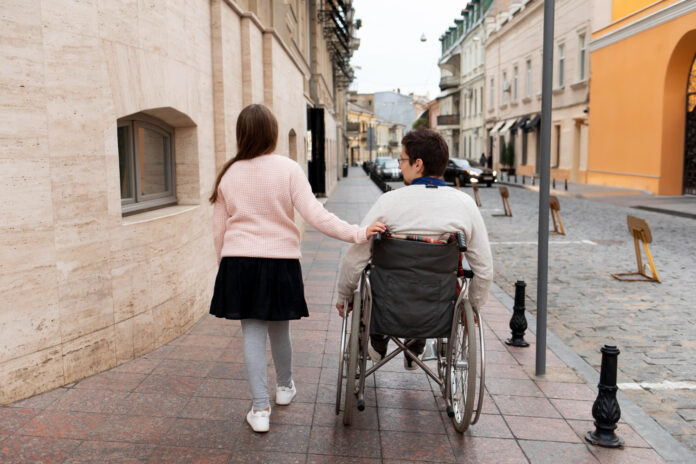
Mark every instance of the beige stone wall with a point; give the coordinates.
(85, 288)
(512, 42)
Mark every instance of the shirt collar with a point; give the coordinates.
(428, 181)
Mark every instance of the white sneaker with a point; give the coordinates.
(284, 395)
(259, 420)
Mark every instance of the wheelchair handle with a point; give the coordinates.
(461, 241)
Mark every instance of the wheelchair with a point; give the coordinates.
(409, 290)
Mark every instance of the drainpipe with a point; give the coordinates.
(312, 54)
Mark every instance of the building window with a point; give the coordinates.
(528, 92)
(491, 96)
(582, 58)
(146, 163)
(561, 66)
(514, 84)
(503, 88)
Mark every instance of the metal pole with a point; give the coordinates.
(543, 257)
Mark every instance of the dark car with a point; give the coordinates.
(458, 168)
(390, 170)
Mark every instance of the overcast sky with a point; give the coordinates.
(391, 54)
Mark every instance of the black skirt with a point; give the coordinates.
(259, 288)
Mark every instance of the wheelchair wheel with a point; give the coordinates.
(342, 358)
(462, 361)
(352, 364)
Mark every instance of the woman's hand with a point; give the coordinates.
(375, 227)
(340, 308)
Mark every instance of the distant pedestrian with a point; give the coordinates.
(482, 160)
(259, 279)
(489, 162)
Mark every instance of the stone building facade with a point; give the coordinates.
(116, 117)
(461, 119)
(513, 50)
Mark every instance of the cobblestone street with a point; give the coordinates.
(652, 324)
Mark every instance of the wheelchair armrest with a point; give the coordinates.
(461, 241)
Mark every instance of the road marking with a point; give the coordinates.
(554, 242)
(666, 385)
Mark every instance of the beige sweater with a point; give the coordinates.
(426, 211)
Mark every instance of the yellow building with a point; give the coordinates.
(361, 132)
(643, 96)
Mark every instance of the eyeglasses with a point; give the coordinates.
(403, 159)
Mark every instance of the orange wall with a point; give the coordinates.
(622, 8)
(636, 125)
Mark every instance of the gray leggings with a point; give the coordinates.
(255, 332)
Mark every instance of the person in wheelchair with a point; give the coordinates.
(426, 207)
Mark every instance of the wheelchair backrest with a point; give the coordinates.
(414, 287)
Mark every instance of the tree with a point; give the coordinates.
(511, 153)
(420, 122)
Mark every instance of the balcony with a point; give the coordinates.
(447, 82)
(448, 120)
(353, 127)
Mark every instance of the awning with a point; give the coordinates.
(507, 126)
(497, 127)
(520, 124)
(447, 93)
(532, 123)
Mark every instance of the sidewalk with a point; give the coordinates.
(681, 205)
(186, 401)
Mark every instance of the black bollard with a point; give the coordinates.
(554, 183)
(515, 178)
(566, 185)
(518, 322)
(523, 180)
(606, 410)
(533, 180)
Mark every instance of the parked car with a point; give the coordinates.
(390, 170)
(377, 164)
(458, 168)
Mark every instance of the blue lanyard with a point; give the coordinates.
(428, 181)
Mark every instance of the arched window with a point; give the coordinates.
(292, 145)
(146, 162)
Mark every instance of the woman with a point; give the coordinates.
(259, 278)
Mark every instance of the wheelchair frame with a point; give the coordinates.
(459, 360)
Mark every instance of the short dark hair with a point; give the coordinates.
(429, 146)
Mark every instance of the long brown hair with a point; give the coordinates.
(257, 134)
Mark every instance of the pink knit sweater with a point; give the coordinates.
(254, 212)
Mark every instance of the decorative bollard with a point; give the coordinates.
(606, 410)
(566, 185)
(553, 182)
(518, 322)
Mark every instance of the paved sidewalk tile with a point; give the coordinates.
(186, 402)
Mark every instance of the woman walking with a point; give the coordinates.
(259, 278)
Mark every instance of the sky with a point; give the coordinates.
(391, 55)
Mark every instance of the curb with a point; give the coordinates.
(661, 441)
